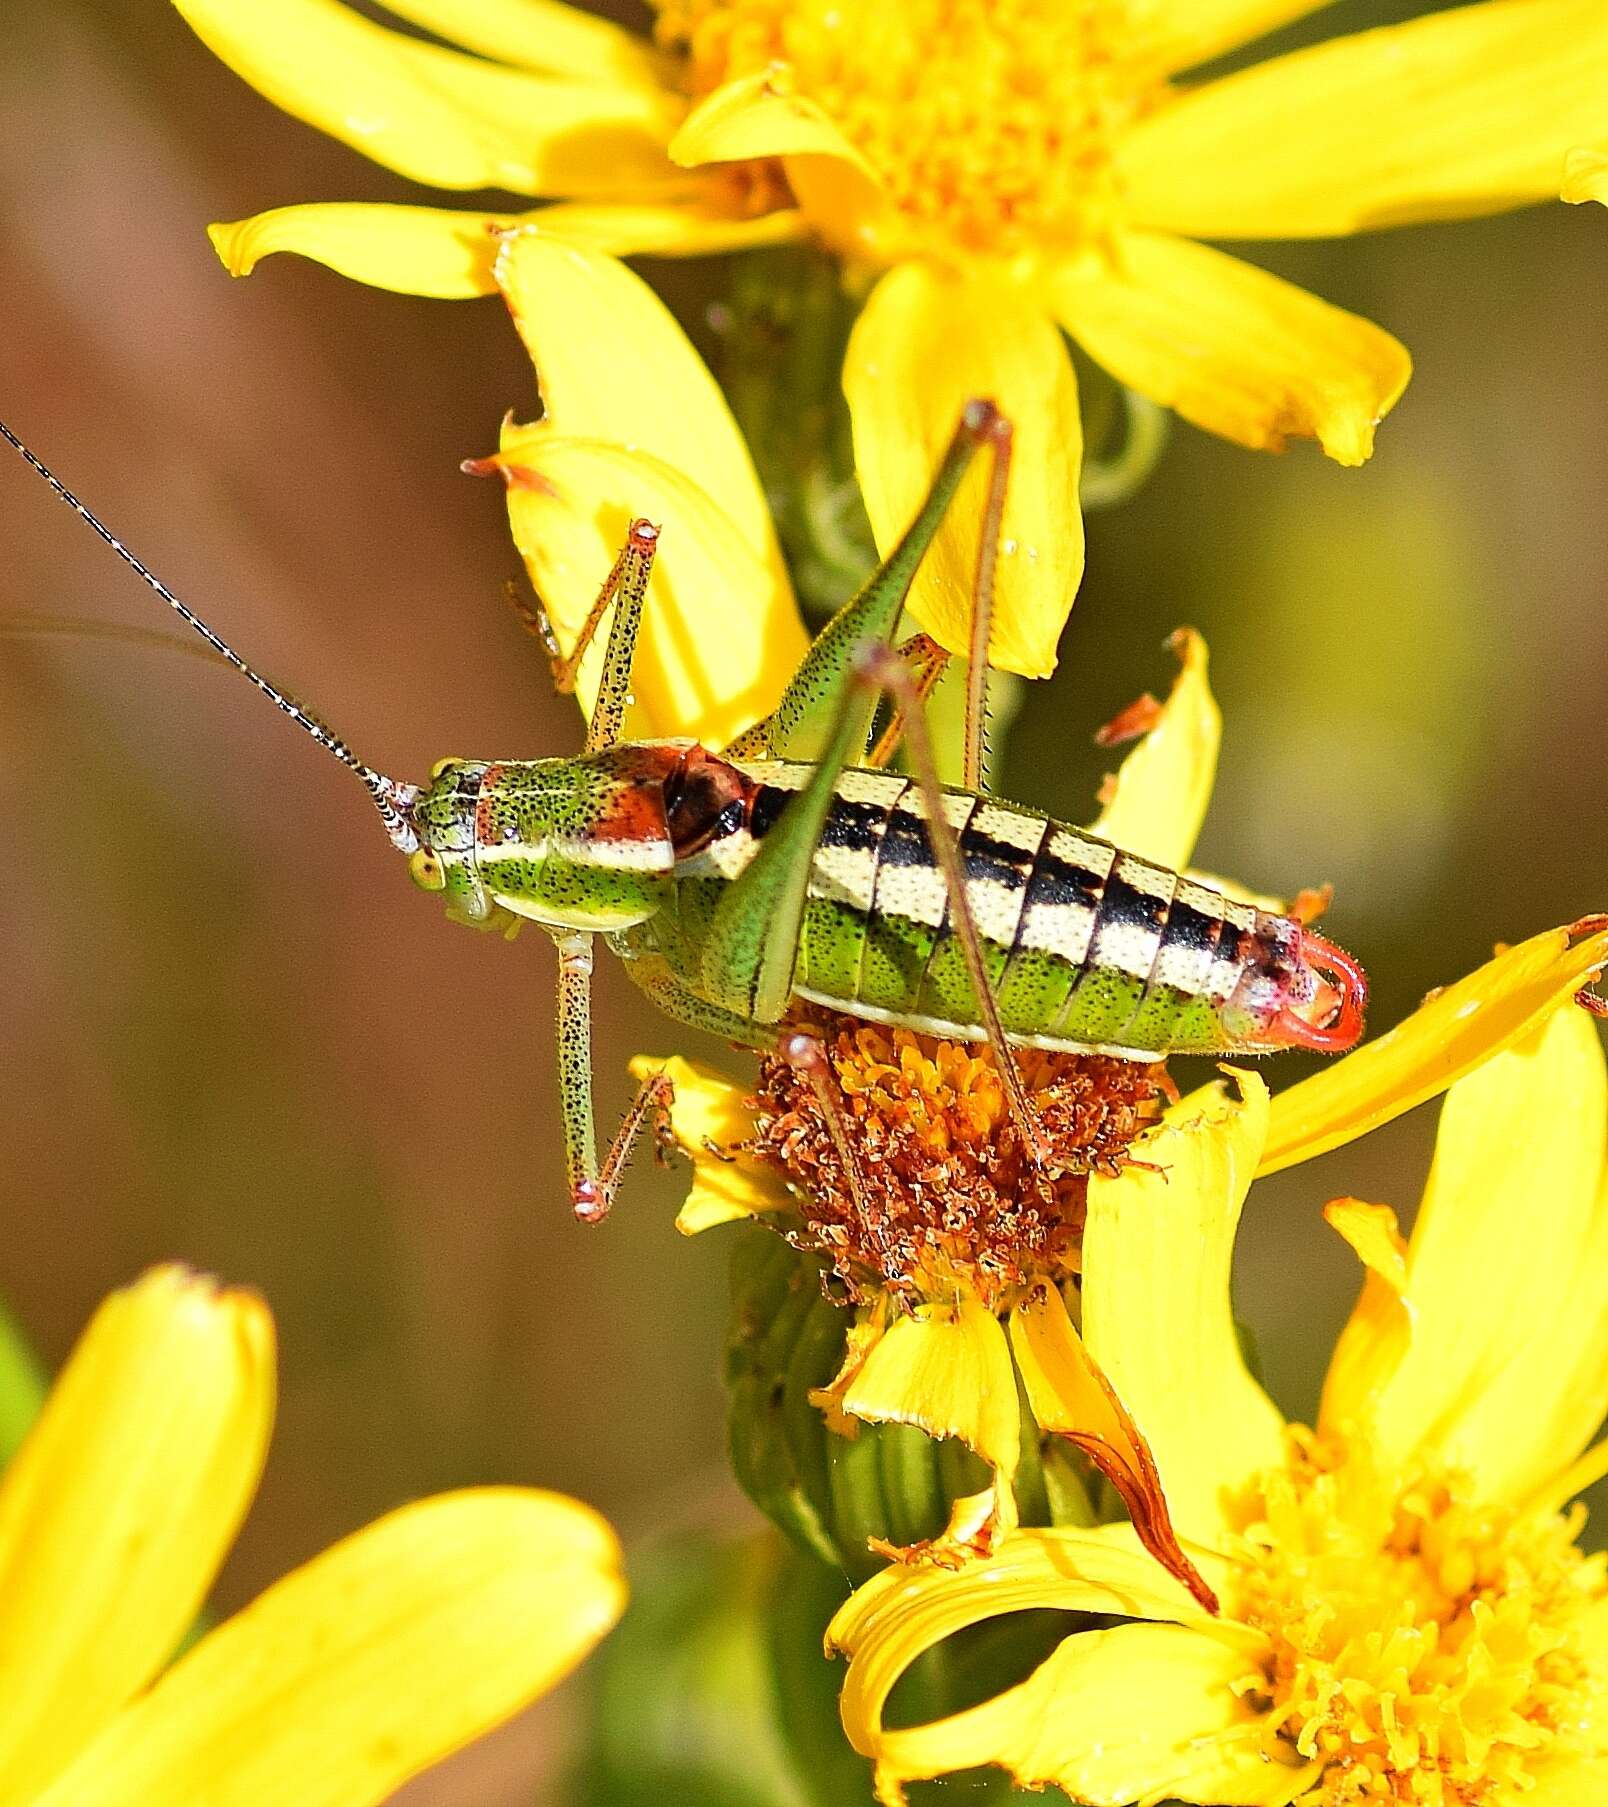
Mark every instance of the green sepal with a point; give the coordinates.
(831, 1494)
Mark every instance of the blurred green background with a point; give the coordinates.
(234, 1033)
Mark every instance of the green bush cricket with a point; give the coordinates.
(794, 865)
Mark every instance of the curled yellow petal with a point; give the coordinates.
(1140, 1713)
(710, 1113)
(946, 1368)
(413, 250)
(1504, 1383)
(1375, 1337)
(612, 364)
(1161, 795)
(720, 635)
(1071, 1398)
(1585, 176)
(760, 115)
(435, 114)
(372, 1662)
(903, 1611)
(120, 1507)
(1468, 110)
(1447, 1036)
(1158, 1252)
(927, 343)
(1233, 349)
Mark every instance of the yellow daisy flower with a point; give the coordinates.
(374, 1661)
(1407, 1616)
(1006, 173)
(938, 1230)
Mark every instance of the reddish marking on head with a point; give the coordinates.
(1342, 995)
(489, 780)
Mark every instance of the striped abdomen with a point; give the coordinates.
(1086, 947)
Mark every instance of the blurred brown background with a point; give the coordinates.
(234, 1033)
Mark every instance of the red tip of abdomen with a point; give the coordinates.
(1341, 1000)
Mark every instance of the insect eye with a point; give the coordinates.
(426, 870)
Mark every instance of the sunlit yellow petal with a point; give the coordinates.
(545, 35)
(906, 1610)
(121, 1505)
(1182, 33)
(1465, 111)
(694, 225)
(1071, 1398)
(1477, 1386)
(720, 635)
(435, 114)
(371, 1663)
(1374, 1340)
(1445, 1037)
(1162, 792)
(1157, 1256)
(711, 1112)
(414, 250)
(946, 1368)
(1233, 349)
(926, 344)
(613, 364)
(760, 115)
(1585, 176)
(1136, 1713)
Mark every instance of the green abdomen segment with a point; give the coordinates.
(1084, 946)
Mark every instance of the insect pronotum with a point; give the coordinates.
(793, 865)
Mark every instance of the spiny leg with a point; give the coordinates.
(626, 585)
(975, 771)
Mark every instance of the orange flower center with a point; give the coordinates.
(990, 123)
(1427, 1649)
(909, 1169)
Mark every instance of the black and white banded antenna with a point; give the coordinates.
(391, 798)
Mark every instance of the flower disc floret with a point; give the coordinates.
(1426, 1648)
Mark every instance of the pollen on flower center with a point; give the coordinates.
(910, 1176)
(1426, 1649)
(989, 122)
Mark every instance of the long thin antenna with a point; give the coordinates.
(390, 797)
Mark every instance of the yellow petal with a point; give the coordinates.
(1071, 1398)
(434, 114)
(926, 344)
(720, 634)
(694, 225)
(613, 364)
(545, 35)
(1181, 33)
(413, 250)
(1375, 1337)
(1585, 175)
(121, 1505)
(1484, 1382)
(946, 1368)
(1232, 348)
(372, 1662)
(1140, 1713)
(1165, 785)
(904, 1611)
(1158, 1251)
(760, 115)
(709, 1109)
(1465, 111)
(1447, 1036)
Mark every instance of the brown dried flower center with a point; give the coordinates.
(937, 1190)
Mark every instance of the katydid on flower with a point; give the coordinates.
(793, 867)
